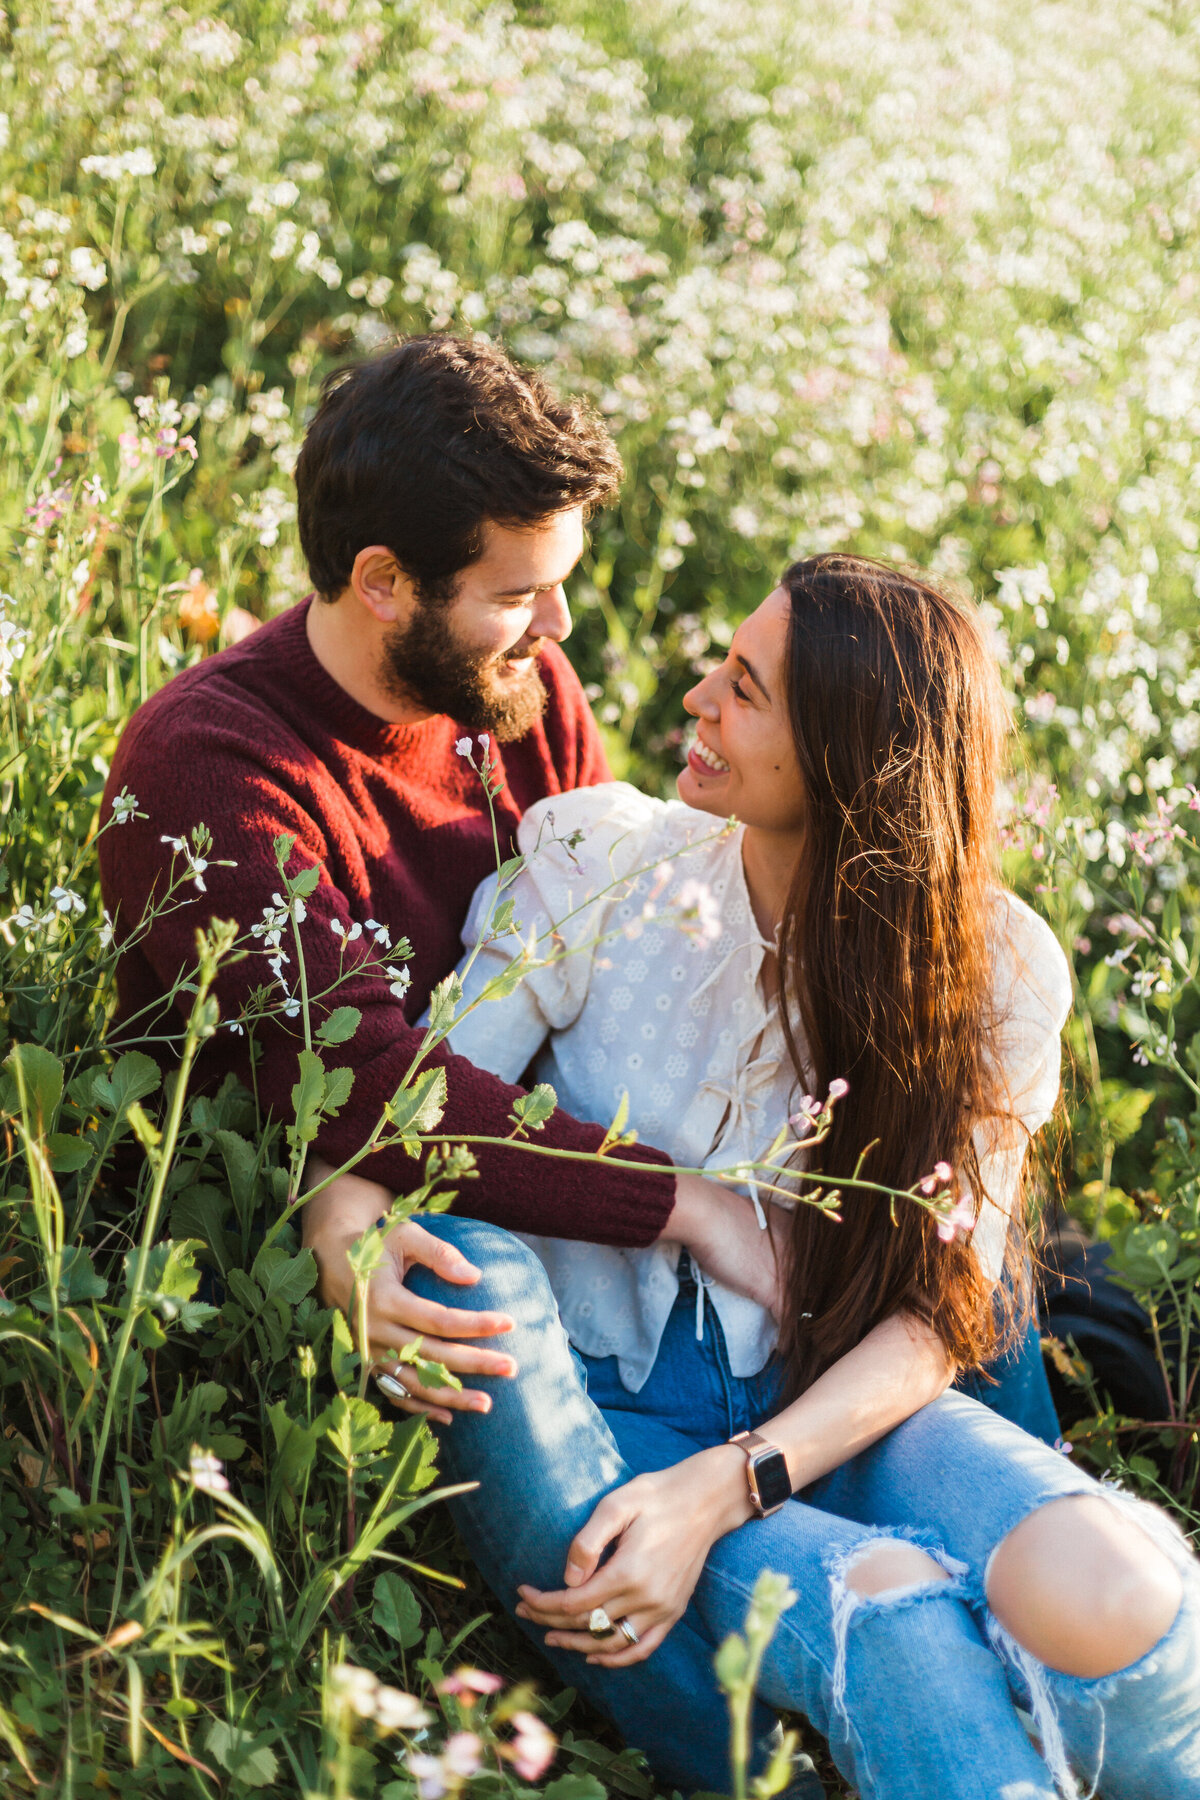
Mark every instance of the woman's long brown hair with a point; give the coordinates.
(898, 719)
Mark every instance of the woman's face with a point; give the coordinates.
(743, 761)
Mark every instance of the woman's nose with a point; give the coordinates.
(701, 701)
(551, 615)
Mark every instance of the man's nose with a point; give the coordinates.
(551, 615)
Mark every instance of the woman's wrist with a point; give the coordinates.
(720, 1475)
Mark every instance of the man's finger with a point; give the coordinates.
(431, 1319)
(417, 1245)
(399, 1384)
(460, 1359)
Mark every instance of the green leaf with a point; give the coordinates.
(241, 1166)
(397, 1611)
(307, 1096)
(252, 1763)
(419, 1108)
(343, 1357)
(340, 1026)
(133, 1077)
(530, 1111)
(305, 883)
(338, 1083)
(200, 1213)
(39, 1075)
(575, 1787)
(77, 1281)
(284, 1277)
(444, 1001)
(355, 1432)
(68, 1153)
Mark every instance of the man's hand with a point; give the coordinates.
(332, 1222)
(722, 1231)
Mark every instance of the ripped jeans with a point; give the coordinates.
(916, 1690)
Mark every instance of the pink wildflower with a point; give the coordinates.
(533, 1748)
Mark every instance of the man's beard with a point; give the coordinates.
(424, 661)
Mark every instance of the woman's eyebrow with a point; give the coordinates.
(755, 677)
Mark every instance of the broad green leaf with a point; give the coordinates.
(355, 1430)
(241, 1165)
(340, 1026)
(575, 1787)
(533, 1109)
(338, 1083)
(200, 1212)
(77, 1281)
(68, 1153)
(397, 1610)
(307, 1096)
(285, 1277)
(39, 1075)
(134, 1076)
(444, 1001)
(251, 1763)
(419, 1108)
(305, 883)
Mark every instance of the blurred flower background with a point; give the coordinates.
(895, 278)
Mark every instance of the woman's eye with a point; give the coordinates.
(735, 687)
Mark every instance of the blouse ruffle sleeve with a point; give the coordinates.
(1032, 998)
(579, 848)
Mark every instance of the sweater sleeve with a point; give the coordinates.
(515, 1189)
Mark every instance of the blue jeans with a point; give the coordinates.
(916, 1691)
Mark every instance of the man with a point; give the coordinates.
(442, 499)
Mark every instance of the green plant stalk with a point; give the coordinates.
(163, 1158)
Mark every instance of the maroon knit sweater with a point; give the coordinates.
(260, 740)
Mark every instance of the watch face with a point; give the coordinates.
(772, 1479)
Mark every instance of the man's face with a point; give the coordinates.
(473, 656)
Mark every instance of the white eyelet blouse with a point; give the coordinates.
(676, 1021)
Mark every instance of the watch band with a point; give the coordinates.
(766, 1472)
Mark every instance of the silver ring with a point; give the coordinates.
(627, 1631)
(599, 1624)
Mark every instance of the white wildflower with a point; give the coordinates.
(124, 806)
(67, 901)
(207, 1472)
(399, 980)
(464, 747)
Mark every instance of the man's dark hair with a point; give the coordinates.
(420, 447)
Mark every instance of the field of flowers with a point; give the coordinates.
(893, 277)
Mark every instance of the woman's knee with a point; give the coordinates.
(891, 1566)
(1082, 1587)
(511, 1278)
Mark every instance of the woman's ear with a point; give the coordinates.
(381, 585)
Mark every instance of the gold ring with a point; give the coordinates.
(599, 1624)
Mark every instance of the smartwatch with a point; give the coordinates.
(766, 1472)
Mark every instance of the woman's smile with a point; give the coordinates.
(705, 762)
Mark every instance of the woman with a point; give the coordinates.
(947, 1566)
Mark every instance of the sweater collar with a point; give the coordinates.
(322, 698)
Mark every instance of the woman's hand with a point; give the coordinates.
(663, 1526)
(331, 1222)
(722, 1231)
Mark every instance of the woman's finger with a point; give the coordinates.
(569, 1607)
(647, 1644)
(588, 1545)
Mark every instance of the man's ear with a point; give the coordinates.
(380, 584)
